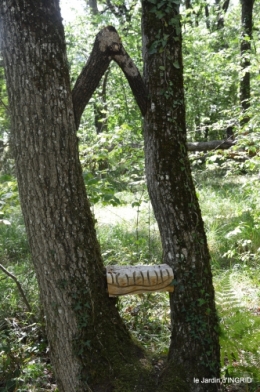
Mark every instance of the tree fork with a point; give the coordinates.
(107, 47)
(82, 322)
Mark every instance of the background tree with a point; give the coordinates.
(222, 8)
(245, 48)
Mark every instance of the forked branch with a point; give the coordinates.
(107, 47)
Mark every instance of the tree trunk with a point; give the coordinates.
(245, 49)
(93, 6)
(89, 345)
(206, 8)
(221, 9)
(194, 338)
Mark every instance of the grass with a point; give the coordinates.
(231, 212)
(129, 235)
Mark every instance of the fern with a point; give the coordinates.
(240, 333)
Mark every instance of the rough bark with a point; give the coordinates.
(245, 49)
(87, 338)
(194, 337)
(100, 107)
(134, 79)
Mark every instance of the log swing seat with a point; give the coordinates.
(124, 280)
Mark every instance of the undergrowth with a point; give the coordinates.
(240, 327)
(129, 235)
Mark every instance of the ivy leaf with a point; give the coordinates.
(201, 301)
(153, 48)
(161, 4)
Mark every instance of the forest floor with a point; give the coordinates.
(128, 234)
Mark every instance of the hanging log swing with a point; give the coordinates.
(124, 280)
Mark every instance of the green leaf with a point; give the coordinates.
(153, 48)
(201, 301)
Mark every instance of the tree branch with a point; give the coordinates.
(91, 74)
(18, 284)
(107, 47)
(134, 78)
(4, 105)
(211, 145)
